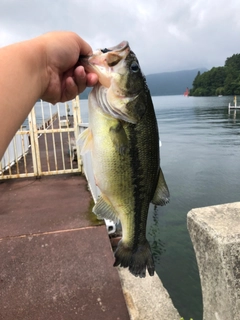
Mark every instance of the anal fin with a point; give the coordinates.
(104, 210)
(161, 195)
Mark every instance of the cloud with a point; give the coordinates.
(165, 35)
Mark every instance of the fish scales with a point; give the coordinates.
(144, 138)
(124, 143)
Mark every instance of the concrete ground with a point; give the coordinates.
(56, 259)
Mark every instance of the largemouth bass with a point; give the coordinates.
(124, 143)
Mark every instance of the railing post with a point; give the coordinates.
(34, 143)
(76, 121)
(215, 233)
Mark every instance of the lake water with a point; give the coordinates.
(200, 158)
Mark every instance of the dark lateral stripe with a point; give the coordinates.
(146, 131)
(136, 174)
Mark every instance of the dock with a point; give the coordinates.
(234, 106)
(57, 258)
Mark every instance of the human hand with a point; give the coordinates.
(65, 78)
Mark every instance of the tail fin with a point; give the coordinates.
(136, 259)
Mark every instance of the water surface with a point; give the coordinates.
(200, 158)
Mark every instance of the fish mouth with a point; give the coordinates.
(102, 61)
(111, 67)
(118, 48)
(87, 60)
(105, 58)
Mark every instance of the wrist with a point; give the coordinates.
(38, 66)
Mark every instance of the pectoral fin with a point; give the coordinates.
(85, 140)
(161, 195)
(104, 210)
(119, 137)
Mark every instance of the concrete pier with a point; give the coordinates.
(57, 261)
(215, 233)
(147, 299)
(56, 258)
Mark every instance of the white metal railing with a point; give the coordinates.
(45, 143)
(17, 149)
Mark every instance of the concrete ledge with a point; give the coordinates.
(146, 298)
(215, 233)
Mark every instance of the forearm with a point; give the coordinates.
(45, 67)
(23, 79)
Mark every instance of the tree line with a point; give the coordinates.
(219, 80)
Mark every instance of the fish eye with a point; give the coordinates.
(134, 67)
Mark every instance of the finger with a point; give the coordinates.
(77, 84)
(80, 78)
(92, 79)
(79, 74)
(70, 90)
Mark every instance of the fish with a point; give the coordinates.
(123, 139)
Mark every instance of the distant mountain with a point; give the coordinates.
(166, 83)
(171, 83)
(85, 93)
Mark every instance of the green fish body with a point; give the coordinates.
(124, 143)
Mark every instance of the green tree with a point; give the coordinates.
(219, 80)
(233, 62)
(196, 80)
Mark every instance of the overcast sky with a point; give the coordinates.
(166, 35)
